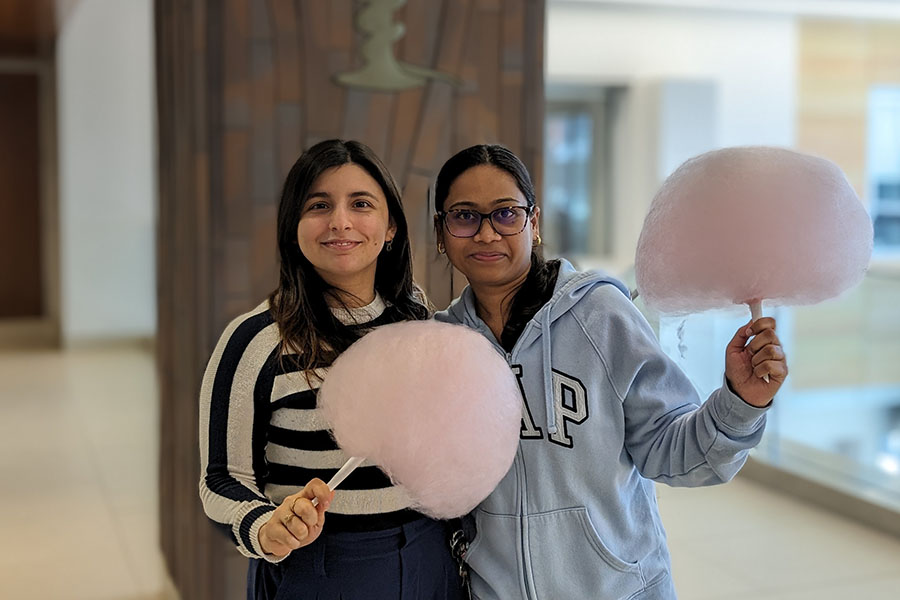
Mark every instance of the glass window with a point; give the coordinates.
(568, 189)
(884, 164)
(576, 208)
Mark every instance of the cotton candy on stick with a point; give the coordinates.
(434, 405)
(743, 225)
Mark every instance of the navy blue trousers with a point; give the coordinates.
(411, 562)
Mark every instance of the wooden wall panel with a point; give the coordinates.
(243, 87)
(21, 265)
(27, 28)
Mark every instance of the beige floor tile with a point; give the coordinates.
(798, 555)
(863, 589)
(70, 576)
(46, 469)
(790, 545)
(733, 508)
(139, 533)
(82, 455)
(76, 524)
(696, 579)
(128, 479)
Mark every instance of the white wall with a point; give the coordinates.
(107, 150)
(750, 56)
(748, 59)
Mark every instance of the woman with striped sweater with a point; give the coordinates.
(265, 449)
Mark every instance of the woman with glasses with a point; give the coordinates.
(265, 448)
(605, 411)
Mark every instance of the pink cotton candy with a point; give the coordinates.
(434, 405)
(740, 225)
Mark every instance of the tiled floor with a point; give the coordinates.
(78, 505)
(78, 435)
(743, 541)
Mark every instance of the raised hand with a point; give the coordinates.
(754, 352)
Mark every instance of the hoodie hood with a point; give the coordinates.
(571, 286)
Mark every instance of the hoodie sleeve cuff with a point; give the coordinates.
(733, 414)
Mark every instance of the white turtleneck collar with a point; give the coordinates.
(361, 314)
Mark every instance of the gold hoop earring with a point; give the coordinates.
(440, 248)
(537, 240)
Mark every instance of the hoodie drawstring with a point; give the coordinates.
(547, 371)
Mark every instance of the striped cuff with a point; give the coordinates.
(247, 532)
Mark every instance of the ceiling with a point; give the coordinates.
(843, 9)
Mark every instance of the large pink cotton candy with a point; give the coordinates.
(434, 405)
(744, 224)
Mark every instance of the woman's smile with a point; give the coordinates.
(340, 245)
(487, 256)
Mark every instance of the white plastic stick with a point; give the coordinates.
(755, 314)
(343, 472)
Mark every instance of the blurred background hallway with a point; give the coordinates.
(142, 148)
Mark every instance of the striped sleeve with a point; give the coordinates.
(233, 420)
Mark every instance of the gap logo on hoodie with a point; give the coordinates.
(569, 406)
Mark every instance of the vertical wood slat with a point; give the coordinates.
(288, 82)
(264, 173)
(166, 48)
(405, 121)
(366, 117)
(21, 239)
(531, 150)
(322, 59)
(340, 25)
(183, 250)
(418, 218)
(512, 62)
(490, 27)
(243, 87)
(231, 234)
(418, 46)
(467, 128)
(179, 230)
(162, 17)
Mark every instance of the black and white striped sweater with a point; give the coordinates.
(262, 437)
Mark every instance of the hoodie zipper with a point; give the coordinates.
(523, 527)
(523, 522)
(522, 485)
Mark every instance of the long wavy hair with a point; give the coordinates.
(309, 330)
(538, 285)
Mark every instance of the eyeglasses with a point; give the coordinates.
(465, 223)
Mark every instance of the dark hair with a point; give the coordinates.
(538, 286)
(483, 154)
(308, 327)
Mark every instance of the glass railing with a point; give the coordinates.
(836, 421)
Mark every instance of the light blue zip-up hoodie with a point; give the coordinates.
(605, 412)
